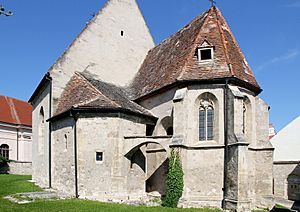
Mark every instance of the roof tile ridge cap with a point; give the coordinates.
(219, 16)
(179, 31)
(204, 15)
(12, 108)
(99, 92)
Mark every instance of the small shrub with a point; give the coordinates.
(174, 181)
(3, 161)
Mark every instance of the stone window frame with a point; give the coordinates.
(41, 131)
(214, 102)
(205, 107)
(247, 119)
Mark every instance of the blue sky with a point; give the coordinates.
(267, 31)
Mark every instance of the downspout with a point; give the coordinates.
(18, 143)
(225, 142)
(75, 153)
(50, 114)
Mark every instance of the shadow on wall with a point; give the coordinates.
(157, 181)
(294, 184)
(139, 159)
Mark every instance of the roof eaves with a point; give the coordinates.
(71, 111)
(47, 78)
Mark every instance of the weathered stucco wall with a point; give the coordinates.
(112, 46)
(40, 141)
(62, 158)
(114, 178)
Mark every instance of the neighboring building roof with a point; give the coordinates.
(287, 142)
(175, 59)
(85, 92)
(14, 111)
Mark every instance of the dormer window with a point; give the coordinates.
(205, 52)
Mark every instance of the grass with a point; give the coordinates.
(12, 184)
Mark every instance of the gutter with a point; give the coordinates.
(99, 110)
(18, 144)
(73, 114)
(45, 79)
(232, 79)
(50, 141)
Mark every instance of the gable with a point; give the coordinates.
(112, 47)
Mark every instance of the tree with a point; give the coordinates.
(5, 12)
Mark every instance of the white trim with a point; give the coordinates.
(199, 54)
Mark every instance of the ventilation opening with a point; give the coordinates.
(206, 54)
(99, 156)
(122, 33)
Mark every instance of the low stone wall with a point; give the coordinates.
(19, 168)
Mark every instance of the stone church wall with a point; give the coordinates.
(114, 178)
(40, 147)
(62, 160)
(117, 37)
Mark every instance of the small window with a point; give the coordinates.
(99, 156)
(122, 33)
(205, 54)
(4, 151)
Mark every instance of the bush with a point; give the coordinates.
(174, 181)
(3, 160)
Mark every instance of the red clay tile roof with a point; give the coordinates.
(175, 59)
(83, 91)
(14, 111)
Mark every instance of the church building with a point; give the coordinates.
(108, 112)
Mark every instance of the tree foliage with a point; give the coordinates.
(3, 11)
(174, 181)
(3, 160)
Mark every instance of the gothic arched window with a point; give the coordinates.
(4, 151)
(41, 131)
(206, 121)
(244, 118)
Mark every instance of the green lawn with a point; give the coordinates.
(12, 184)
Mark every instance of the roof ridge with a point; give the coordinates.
(223, 40)
(96, 89)
(197, 37)
(218, 12)
(179, 31)
(12, 108)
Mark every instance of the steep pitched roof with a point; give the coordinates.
(287, 142)
(14, 111)
(85, 92)
(175, 59)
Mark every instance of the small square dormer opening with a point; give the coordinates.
(205, 54)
